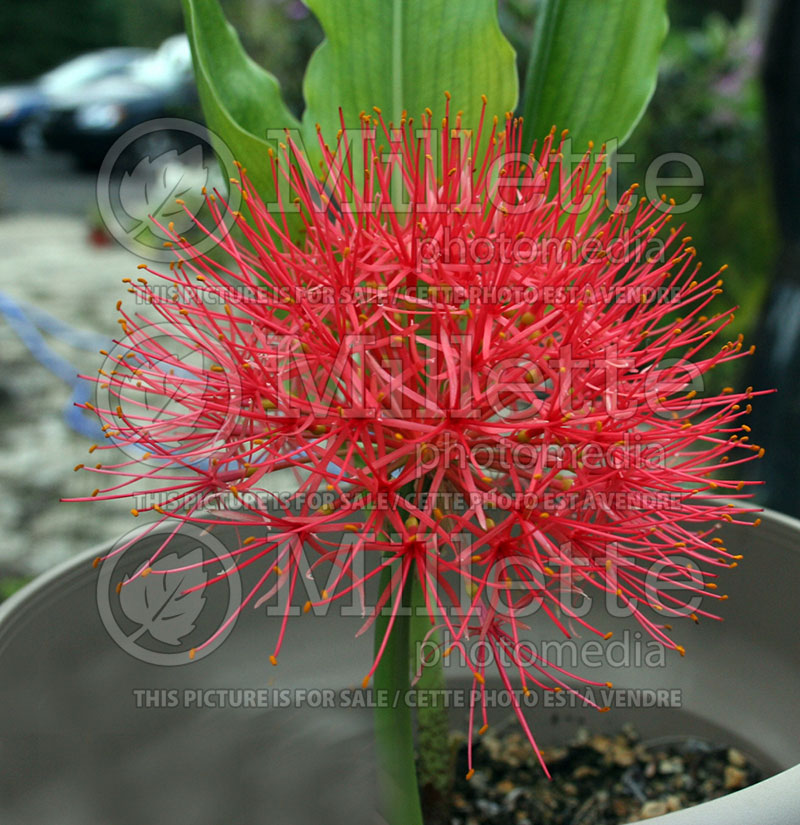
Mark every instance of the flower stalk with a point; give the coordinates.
(394, 727)
(435, 768)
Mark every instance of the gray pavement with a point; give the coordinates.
(46, 260)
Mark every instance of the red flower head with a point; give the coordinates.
(470, 363)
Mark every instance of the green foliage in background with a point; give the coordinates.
(709, 105)
(10, 584)
(36, 36)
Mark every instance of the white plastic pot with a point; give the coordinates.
(77, 750)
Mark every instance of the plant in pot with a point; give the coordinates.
(483, 371)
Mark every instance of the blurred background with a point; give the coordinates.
(74, 77)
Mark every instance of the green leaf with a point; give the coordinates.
(241, 101)
(593, 68)
(403, 55)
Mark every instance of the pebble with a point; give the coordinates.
(673, 802)
(671, 765)
(735, 778)
(736, 758)
(493, 745)
(480, 781)
(511, 798)
(552, 756)
(602, 744)
(622, 755)
(582, 736)
(655, 807)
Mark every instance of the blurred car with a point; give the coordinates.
(23, 105)
(159, 85)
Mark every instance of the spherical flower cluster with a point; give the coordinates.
(475, 368)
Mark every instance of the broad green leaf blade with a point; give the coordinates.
(403, 55)
(241, 101)
(593, 68)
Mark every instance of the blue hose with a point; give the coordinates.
(29, 323)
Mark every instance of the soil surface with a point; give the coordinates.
(596, 779)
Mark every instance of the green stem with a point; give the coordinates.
(435, 767)
(394, 729)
